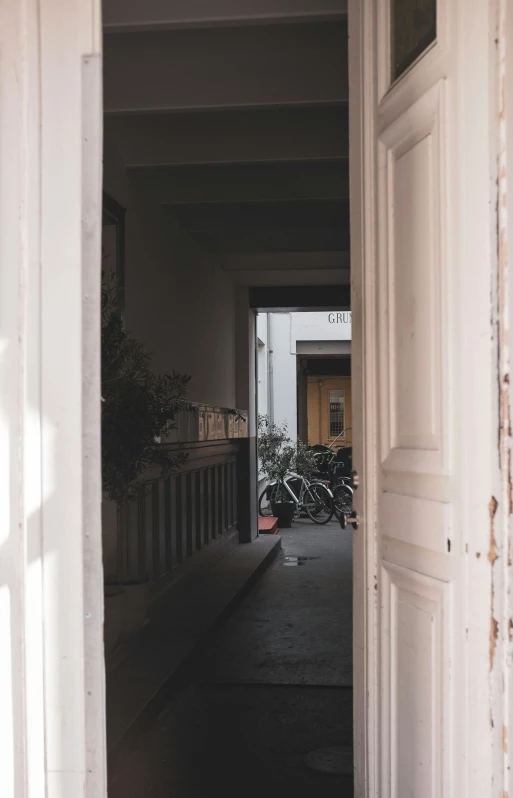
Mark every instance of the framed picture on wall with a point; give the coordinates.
(113, 244)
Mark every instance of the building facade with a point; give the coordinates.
(304, 372)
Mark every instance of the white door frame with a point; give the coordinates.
(363, 358)
(51, 650)
(52, 716)
(478, 762)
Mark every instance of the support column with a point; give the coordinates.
(302, 401)
(245, 394)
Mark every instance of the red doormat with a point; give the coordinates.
(268, 526)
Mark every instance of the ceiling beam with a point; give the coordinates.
(312, 297)
(284, 240)
(244, 183)
(284, 262)
(229, 136)
(290, 65)
(288, 278)
(257, 216)
(129, 15)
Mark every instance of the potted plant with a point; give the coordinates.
(138, 411)
(277, 457)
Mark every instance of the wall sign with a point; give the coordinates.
(340, 317)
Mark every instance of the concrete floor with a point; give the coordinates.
(274, 685)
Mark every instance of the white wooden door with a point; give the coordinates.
(422, 262)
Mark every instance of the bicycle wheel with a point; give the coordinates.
(342, 500)
(318, 503)
(264, 502)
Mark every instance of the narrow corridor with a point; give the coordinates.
(274, 685)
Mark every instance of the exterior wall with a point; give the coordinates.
(283, 373)
(277, 357)
(325, 326)
(262, 365)
(318, 408)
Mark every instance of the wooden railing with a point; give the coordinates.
(173, 518)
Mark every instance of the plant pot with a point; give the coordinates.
(284, 512)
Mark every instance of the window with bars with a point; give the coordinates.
(337, 412)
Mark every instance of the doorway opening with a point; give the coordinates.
(304, 408)
(232, 187)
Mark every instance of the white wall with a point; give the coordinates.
(262, 365)
(277, 364)
(283, 372)
(325, 326)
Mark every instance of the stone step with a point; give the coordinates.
(187, 616)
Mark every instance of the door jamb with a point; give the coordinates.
(364, 351)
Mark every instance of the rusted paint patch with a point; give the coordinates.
(494, 634)
(492, 558)
(493, 504)
(500, 552)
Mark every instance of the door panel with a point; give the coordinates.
(412, 153)
(413, 649)
(414, 590)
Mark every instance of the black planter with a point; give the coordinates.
(284, 512)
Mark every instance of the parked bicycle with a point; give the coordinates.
(311, 497)
(343, 498)
(335, 468)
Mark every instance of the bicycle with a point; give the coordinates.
(343, 498)
(314, 498)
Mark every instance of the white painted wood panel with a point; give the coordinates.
(52, 709)
(414, 631)
(412, 312)
(418, 521)
(426, 409)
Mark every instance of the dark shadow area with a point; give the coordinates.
(273, 685)
(226, 148)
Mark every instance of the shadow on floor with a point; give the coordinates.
(273, 685)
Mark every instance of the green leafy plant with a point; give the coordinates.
(139, 409)
(277, 453)
(306, 461)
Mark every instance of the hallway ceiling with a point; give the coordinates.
(231, 115)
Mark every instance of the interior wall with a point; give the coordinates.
(178, 300)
